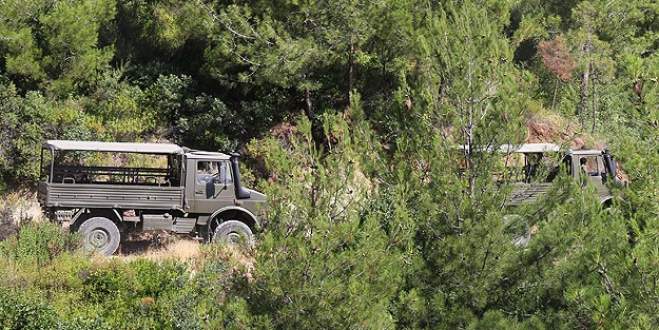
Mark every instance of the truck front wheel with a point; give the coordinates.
(100, 235)
(233, 232)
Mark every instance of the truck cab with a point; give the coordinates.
(155, 187)
(213, 180)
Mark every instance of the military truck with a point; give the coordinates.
(540, 165)
(596, 167)
(175, 189)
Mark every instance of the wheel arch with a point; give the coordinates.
(233, 213)
(607, 202)
(84, 214)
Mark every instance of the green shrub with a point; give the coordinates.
(153, 279)
(20, 312)
(66, 271)
(38, 243)
(111, 281)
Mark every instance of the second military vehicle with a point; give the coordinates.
(540, 165)
(596, 167)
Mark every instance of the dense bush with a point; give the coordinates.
(19, 312)
(350, 112)
(37, 243)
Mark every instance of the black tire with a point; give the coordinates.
(518, 228)
(233, 232)
(100, 235)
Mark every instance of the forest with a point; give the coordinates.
(347, 114)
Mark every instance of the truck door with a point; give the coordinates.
(592, 166)
(213, 185)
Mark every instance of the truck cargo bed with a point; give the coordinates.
(527, 193)
(110, 196)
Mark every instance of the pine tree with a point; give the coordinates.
(325, 260)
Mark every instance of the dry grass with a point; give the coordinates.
(17, 209)
(184, 250)
(20, 207)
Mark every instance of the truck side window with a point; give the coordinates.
(206, 171)
(591, 166)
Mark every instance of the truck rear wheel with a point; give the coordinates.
(234, 232)
(100, 235)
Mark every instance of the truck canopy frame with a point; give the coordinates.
(62, 173)
(127, 147)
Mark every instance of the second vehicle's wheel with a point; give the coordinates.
(100, 235)
(234, 232)
(518, 228)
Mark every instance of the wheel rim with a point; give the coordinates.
(233, 238)
(98, 238)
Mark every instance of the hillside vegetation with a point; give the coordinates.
(348, 114)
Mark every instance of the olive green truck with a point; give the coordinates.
(592, 166)
(173, 189)
(540, 164)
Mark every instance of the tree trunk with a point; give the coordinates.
(309, 108)
(470, 151)
(351, 68)
(594, 106)
(553, 101)
(583, 100)
(469, 131)
(316, 128)
(585, 80)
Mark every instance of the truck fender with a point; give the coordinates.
(76, 216)
(607, 201)
(119, 217)
(249, 214)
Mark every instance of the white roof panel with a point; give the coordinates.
(586, 152)
(531, 148)
(519, 148)
(207, 155)
(143, 148)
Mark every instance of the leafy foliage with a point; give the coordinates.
(349, 113)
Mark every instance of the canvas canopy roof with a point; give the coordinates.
(143, 148)
(586, 152)
(534, 148)
(528, 148)
(196, 154)
(525, 148)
